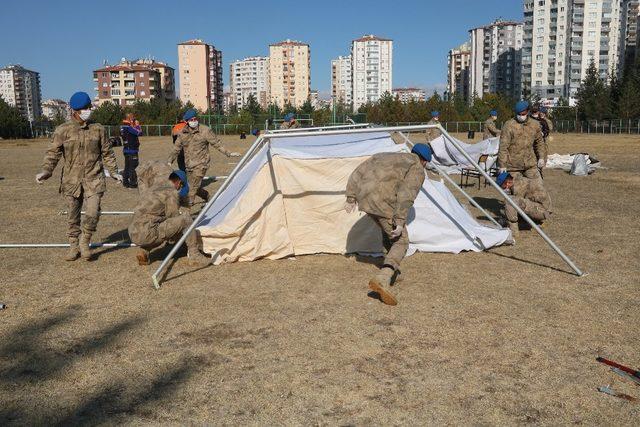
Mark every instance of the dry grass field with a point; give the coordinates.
(508, 336)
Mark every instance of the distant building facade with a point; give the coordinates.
(372, 68)
(630, 34)
(341, 80)
(289, 73)
(250, 76)
(406, 94)
(129, 81)
(55, 108)
(200, 71)
(458, 62)
(496, 59)
(20, 88)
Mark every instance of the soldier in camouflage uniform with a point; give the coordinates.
(85, 148)
(490, 128)
(549, 127)
(521, 144)
(433, 133)
(157, 219)
(529, 195)
(385, 186)
(195, 139)
(289, 122)
(151, 172)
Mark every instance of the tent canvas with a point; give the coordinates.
(453, 161)
(288, 200)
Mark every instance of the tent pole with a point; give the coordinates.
(511, 202)
(64, 245)
(450, 181)
(156, 276)
(321, 128)
(102, 213)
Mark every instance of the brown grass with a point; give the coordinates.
(507, 336)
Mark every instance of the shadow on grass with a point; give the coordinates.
(493, 206)
(526, 261)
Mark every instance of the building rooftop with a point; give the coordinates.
(17, 67)
(137, 65)
(370, 37)
(407, 89)
(497, 23)
(193, 42)
(289, 42)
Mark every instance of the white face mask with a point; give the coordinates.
(193, 124)
(85, 114)
(521, 118)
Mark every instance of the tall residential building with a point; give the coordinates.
(341, 81)
(458, 63)
(20, 88)
(129, 81)
(55, 108)
(495, 65)
(289, 73)
(372, 65)
(406, 94)
(200, 70)
(250, 76)
(562, 38)
(630, 34)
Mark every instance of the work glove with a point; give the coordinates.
(502, 170)
(234, 154)
(117, 177)
(396, 232)
(350, 205)
(541, 163)
(42, 176)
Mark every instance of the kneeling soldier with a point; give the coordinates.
(157, 219)
(385, 187)
(529, 195)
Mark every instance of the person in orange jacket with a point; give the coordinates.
(175, 131)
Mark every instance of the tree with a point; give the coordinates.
(306, 108)
(252, 106)
(628, 103)
(593, 96)
(12, 123)
(108, 114)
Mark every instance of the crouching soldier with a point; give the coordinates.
(529, 195)
(157, 219)
(85, 148)
(385, 186)
(150, 173)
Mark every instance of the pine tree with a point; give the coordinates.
(593, 96)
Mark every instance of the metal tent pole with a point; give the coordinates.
(452, 182)
(65, 245)
(155, 277)
(322, 128)
(102, 213)
(512, 203)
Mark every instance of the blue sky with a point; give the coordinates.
(66, 40)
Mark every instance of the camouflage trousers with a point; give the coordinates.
(535, 210)
(91, 206)
(396, 248)
(168, 230)
(195, 177)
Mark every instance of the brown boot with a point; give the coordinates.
(85, 249)
(381, 284)
(143, 257)
(196, 259)
(515, 229)
(74, 251)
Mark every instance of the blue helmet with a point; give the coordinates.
(543, 109)
(435, 114)
(423, 151)
(493, 113)
(189, 114)
(521, 106)
(79, 101)
(502, 178)
(182, 176)
(289, 116)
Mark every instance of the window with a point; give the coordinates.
(142, 93)
(141, 74)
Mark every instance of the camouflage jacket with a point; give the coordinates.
(85, 147)
(148, 173)
(531, 189)
(195, 143)
(288, 125)
(387, 184)
(549, 124)
(154, 206)
(490, 129)
(520, 145)
(432, 134)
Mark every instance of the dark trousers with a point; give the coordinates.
(129, 176)
(181, 165)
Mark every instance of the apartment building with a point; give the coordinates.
(407, 94)
(250, 76)
(458, 62)
(129, 81)
(289, 73)
(200, 71)
(20, 88)
(372, 68)
(496, 55)
(630, 34)
(562, 38)
(341, 81)
(54, 108)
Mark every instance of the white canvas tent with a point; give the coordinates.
(452, 161)
(288, 200)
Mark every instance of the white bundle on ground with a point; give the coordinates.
(565, 161)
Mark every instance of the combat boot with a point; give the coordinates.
(196, 259)
(515, 229)
(85, 248)
(381, 284)
(74, 251)
(143, 257)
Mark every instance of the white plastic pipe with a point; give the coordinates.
(323, 128)
(102, 213)
(65, 245)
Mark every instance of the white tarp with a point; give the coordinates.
(564, 162)
(288, 200)
(448, 156)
